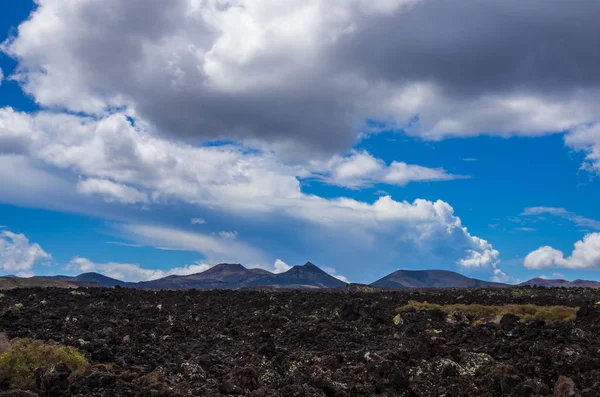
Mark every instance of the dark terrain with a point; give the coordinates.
(309, 343)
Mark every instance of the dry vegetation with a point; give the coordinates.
(25, 355)
(482, 312)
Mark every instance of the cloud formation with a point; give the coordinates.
(310, 73)
(125, 164)
(19, 255)
(131, 272)
(361, 169)
(129, 103)
(587, 139)
(585, 255)
(563, 213)
(280, 266)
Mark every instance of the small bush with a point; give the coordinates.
(25, 355)
(479, 312)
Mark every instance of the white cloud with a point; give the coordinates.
(228, 235)
(197, 221)
(131, 272)
(587, 139)
(585, 255)
(280, 266)
(526, 229)
(125, 244)
(545, 257)
(481, 255)
(111, 191)
(312, 71)
(332, 272)
(558, 275)
(562, 213)
(18, 254)
(362, 169)
(217, 249)
(230, 179)
(500, 277)
(1, 76)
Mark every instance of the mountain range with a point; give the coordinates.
(544, 282)
(432, 279)
(307, 276)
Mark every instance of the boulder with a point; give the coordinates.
(509, 320)
(564, 387)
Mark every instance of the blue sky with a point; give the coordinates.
(115, 136)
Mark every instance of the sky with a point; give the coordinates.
(144, 138)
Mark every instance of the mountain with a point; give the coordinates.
(86, 278)
(432, 279)
(222, 276)
(228, 276)
(97, 278)
(543, 282)
(234, 276)
(33, 282)
(307, 276)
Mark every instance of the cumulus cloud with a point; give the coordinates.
(18, 254)
(311, 72)
(362, 169)
(131, 272)
(280, 266)
(585, 255)
(197, 221)
(1, 76)
(500, 277)
(587, 139)
(127, 164)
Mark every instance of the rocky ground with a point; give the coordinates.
(268, 343)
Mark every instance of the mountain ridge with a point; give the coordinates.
(545, 282)
(435, 278)
(307, 276)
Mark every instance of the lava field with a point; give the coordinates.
(308, 343)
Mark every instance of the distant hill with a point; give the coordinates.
(18, 282)
(98, 278)
(432, 279)
(86, 278)
(543, 282)
(307, 276)
(222, 276)
(225, 275)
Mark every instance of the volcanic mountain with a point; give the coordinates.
(222, 276)
(432, 279)
(227, 276)
(233, 276)
(543, 282)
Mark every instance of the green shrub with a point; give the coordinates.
(25, 355)
(525, 312)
